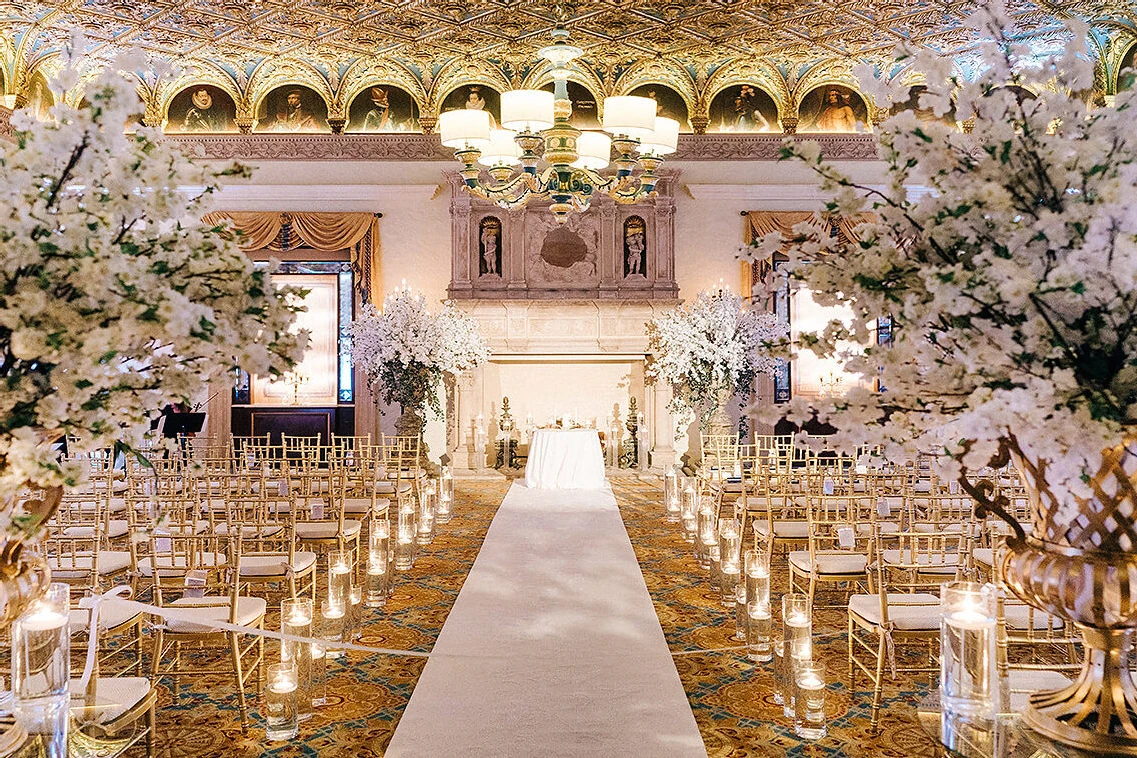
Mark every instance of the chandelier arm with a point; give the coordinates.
(516, 190)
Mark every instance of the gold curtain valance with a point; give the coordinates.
(281, 231)
(761, 223)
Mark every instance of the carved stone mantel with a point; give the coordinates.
(567, 330)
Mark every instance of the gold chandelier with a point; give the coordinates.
(574, 159)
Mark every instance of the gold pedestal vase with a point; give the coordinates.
(24, 575)
(1083, 570)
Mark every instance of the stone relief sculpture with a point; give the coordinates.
(562, 253)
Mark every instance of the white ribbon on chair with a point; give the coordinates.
(122, 592)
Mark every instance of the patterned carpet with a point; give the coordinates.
(731, 697)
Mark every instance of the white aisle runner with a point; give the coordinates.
(552, 648)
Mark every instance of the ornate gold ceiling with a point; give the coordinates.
(616, 31)
(430, 47)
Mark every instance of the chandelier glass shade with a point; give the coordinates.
(567, 170)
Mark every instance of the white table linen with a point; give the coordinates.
(565, 459)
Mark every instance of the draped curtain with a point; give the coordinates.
(276, 231)
(761, 223)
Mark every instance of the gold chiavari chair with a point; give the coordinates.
(902, 608)
(269, 555)
(115, 710)
(320, 520)
(78, 555)
(197, 581)
(301, 449)
(840, 530)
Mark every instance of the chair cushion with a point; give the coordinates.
(783, 530)
(275, 564)
(114, 696)
(908, 611)
(75, 566)
(326, 530)
(984, 556)
(112, 614)
(1018, 617)
(835, 562)
(358, 506)
(175, 565)
(1023, 683)
(249, 530)
(200, 611)
(115, 528)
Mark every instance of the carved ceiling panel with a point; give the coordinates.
(430, 47)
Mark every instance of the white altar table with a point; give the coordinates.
(565, 459)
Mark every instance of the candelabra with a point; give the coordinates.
(507, 445)
(631, 458)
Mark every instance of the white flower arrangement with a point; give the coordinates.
(1011, 282)
(115, 300)
(710, 348)
(405, 349)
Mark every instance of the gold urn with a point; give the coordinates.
(1084, 570)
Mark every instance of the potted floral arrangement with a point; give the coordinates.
(116, 301)
(406, 351)
(1011, 282)
(708, 351)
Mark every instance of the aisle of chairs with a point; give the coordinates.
(216, 533)
(877, 541)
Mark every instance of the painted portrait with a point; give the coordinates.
(489, 246)
(668, 103)
(201, 109)
(585, 108)
(475, 97)
(1127, 71)
(383, 108)
(833, 109)
(635, 247)
(40, 98)
(923, 114)
(743, 108)
(292, 108)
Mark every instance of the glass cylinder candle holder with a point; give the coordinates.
(670, 495)
(319, 674)
(712, 552)
(740, 618)
(758, 628)
(797, 626)
(445, 497)
(779, 650)
(406, 530)
(707, 521)
(730, 540)
(356, 613)
(757, 567)
(424, 533)
(296, 621)
(41, 669)
(378, 580)
(968, 680)
(339, 577)
(809, 701)
(332, 617)
(280, 703)
(689, 510)
(729, 573)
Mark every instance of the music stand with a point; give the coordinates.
(181, 424)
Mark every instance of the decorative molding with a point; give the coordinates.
(427, 147)
(309, 197)
(778, 193)
(315, 147)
